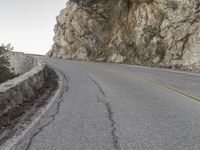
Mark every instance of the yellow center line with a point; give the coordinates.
(168, 87)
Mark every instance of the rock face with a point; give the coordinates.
(143, 32)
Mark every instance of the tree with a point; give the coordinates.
(5, 71)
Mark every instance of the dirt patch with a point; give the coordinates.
(23, 113)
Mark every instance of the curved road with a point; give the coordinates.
(119, 107)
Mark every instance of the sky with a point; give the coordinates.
(28, 24)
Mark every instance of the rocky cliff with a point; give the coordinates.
(144, 32)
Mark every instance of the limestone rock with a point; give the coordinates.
(161, 32)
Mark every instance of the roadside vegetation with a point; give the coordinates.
(172, 4)
(6, 71)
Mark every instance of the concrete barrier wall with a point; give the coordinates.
(15, 92)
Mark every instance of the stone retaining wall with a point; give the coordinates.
(15, 92)
(20, 62)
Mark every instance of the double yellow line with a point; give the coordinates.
(169, 88)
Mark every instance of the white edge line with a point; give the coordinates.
(17, 138)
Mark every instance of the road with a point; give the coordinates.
(119, 107)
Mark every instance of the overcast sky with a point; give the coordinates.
(28, 24)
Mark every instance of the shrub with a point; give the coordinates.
(160, 15)
(161, 49)
(172, 4)
(5, 71)
(140, 1)
(151, 31)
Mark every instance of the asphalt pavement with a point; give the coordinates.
(118, 107)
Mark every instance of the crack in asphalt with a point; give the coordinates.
(99, 87)
(110, 115)
(66, 88)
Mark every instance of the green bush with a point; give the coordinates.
(151, 31)
(172, 4)
(160, 15)
(5, 71)
(161, 49)
(140, 1)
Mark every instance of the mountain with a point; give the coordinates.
(144, 32)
